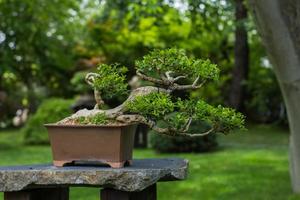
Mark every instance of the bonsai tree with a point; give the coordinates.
(165, 71)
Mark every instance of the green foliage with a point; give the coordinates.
(227, 119)
(49, 111)
(98, 119)
(176, 60)
(159, 106)
(223, 119)
(154, 105)
(111, 80)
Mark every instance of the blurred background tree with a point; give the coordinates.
(38, 49)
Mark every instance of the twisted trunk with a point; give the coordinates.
(117, 111)
(278, 24)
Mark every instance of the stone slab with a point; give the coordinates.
(137, 177)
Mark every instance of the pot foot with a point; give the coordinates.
(119, 164)
(60, 163)
(116, 164)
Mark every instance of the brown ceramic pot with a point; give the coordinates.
(110, 145)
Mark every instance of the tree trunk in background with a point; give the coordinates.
(241, 58)
(278, 22)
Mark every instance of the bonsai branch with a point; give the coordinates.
(151, 79)
(168, 75)
(173, 79)
(194, 86)
(98, 99)
(169, 81)
(164, 131)
(90, 79)
(179, 77)
(187, 125)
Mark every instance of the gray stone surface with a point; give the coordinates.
(140, 175)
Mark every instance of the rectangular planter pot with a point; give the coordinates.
(110, 145)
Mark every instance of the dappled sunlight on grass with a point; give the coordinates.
(248, 166)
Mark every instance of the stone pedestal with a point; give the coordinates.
(52, 183)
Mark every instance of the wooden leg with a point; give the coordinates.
(146, 194)
(39, 194)
(16, 195)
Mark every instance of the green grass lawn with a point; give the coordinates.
(248, 165)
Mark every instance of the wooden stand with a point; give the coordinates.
(63, 194)
(39, 194)
(146, 194)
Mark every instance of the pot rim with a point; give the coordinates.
(87, 126)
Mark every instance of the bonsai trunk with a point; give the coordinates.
(117, 111)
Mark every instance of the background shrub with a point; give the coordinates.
(167, 144)
(50, 111)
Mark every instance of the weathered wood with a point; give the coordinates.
(39, 194)
(146, 194)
